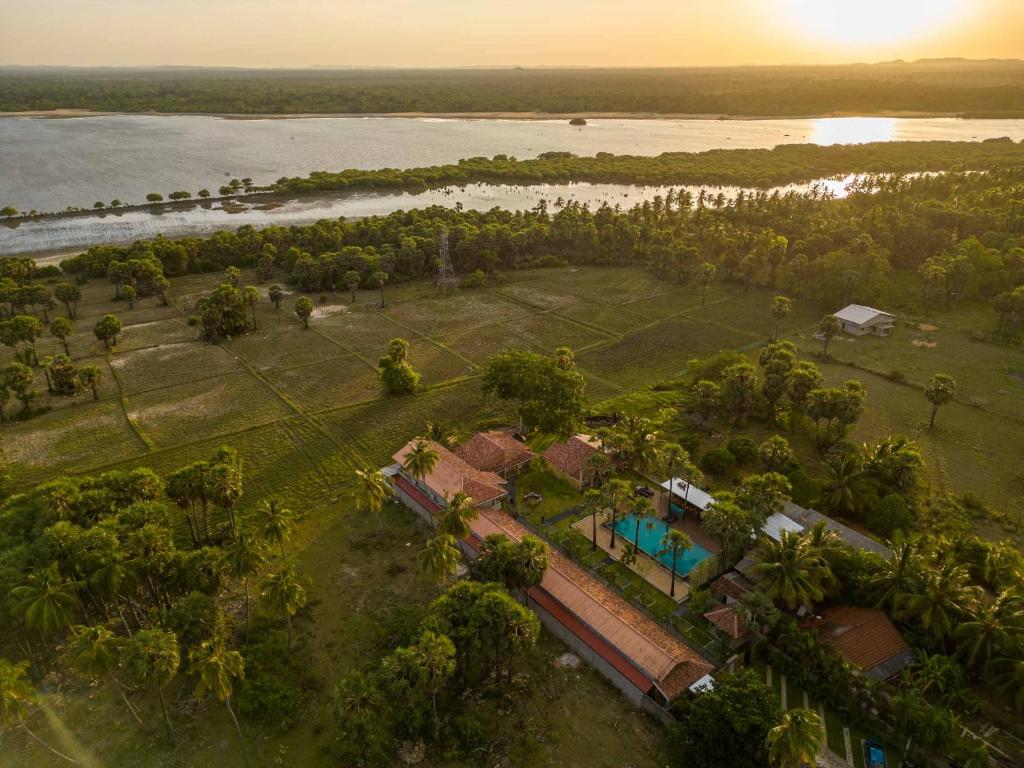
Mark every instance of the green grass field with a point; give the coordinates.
(304, 409)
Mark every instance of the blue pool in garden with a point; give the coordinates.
(652, 531)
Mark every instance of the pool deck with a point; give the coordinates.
(650, 569)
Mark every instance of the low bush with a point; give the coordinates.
(717, 461)
(743, 450)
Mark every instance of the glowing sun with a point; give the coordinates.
(872, 22)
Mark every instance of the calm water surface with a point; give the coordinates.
(66, 235)
(48, 164)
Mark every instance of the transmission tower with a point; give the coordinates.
(445, 271)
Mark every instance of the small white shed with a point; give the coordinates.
(858, 320)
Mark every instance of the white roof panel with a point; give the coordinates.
(690, 493)
(859, 314)
(777, 523)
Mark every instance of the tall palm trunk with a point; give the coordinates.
(238, 730)
(42, 743)
(124, 697)
(593, 533)
(672, 589)
(167, 715)
(613, 526)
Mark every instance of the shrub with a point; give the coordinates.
(804, 491)
(897, 376)
(547, 261)
(743, 450)
(717, 461)
(891, 514)
(700, 601)
(276, 680)
(476, 279)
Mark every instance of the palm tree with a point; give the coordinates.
(942, 597)
(940, 389)
(992, 630)
(420, 462)
(218, 669)
(94, 653)
(641, 509)
(284, 591)
(897, 575)
(1010, 680)
(593, 502)
(617, 491)
(273, 523)
(796, 741)
(357, 703)
(894, 462)
(674, 456)
(16, 694)
(435, 657)
(439, 557)
(46, 601)
(846, 488)
(372, 490)
(242, 559)
(790, 572)
(676, 542)
(459, 513)
(151, 657)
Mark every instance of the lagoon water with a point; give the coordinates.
(49, 164)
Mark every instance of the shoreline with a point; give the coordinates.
(65, 114)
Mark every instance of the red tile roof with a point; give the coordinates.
(571, 456)
(452, 475)
(494, 451)
(864, 636)
(731, 585)
(727, 620)
(626, 635)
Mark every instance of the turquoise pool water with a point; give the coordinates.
(652, 531)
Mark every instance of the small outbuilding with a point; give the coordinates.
(569, 458)
(858, 320)
(866, 639)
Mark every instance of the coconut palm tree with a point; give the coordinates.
(285, 593)
(151, 657)
(676, 542)
(674, 457)
(941, 597)
(94, 653)
(457, 516)
(1010, 680)
(789, 571)
(420, 462)
(894, 462)
(796, 741)
(242, 559)
(897, 575)
(845, 489)
(992, 630)
(435, 657)
(940, 389)
(46, 601)
(273, 523)
(217, 669)
(439, 557)
(372, 490)
(16, 694)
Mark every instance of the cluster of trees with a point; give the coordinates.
(100, 578)
(547, 390)
(960, 601)
(228, 311)
(939, 86)
(807, 246)
(396, 374)
(466, 646)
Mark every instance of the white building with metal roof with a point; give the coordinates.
(858, 320)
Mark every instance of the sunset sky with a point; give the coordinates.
(300, 33)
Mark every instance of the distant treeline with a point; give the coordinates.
(786, 164)
(945, 86)
(962, 231)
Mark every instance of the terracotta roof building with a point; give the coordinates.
(866, 638)
(569, 458)
(452, 475)
(640, 657)
(495, 451)
(728, 622)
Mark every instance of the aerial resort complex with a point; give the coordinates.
(446, 386)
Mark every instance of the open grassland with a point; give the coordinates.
(164, 391)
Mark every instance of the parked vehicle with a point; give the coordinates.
(874, 754)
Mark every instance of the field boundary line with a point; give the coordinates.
(140, 433)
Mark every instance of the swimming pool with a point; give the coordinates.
(652, 531)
